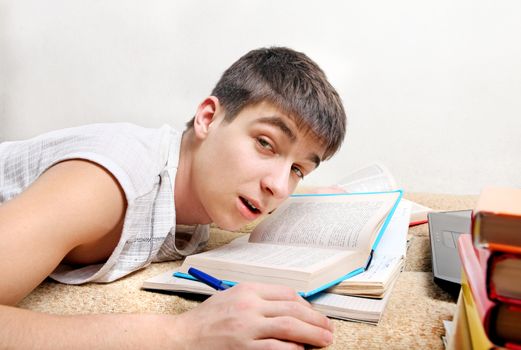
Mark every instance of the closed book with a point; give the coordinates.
(475, 275)
(504, 278)
(501, 322)
(460, 338)
(476, 330)
(505, 248)
(496, 218)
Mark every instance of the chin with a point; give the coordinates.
(231, 225)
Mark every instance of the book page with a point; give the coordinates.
(345, 302)
(418, 212)
(394, 239)
(380, 271)
(371, 178)
(376, 177)
(269, 255)
(339, 221)
(347, 307)
(167, 281)
(390, 252)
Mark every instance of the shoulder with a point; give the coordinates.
(134, 155)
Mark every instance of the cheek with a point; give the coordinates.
(239, 159)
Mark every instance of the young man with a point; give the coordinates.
(94, 203)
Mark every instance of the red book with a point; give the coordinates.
(504, 278)
(476, 276)
(502, 322)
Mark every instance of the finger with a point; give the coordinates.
(276, 344)
(271, 292)
(296, 310)
(295, 330)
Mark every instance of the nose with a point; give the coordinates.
(276, 181)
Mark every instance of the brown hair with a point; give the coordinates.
(293, 83)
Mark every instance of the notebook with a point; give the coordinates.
(444, 230)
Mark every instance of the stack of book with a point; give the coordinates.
(312, 243)
(489, 306)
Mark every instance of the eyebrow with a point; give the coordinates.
(279, 123)
(315, 159)
(286, 130)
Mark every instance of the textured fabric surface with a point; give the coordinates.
(412, 320)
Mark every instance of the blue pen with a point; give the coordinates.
(207, 279)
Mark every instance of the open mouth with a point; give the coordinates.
(250, 206)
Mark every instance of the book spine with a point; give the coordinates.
(476, 277)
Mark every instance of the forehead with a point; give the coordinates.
(291, 127)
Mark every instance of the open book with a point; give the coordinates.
(388, 260)
(392, 245)
(310, 243)
(343, 307)
(376, 177)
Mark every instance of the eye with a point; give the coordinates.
(264, 144)
(298, 172)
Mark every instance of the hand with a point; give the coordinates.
(254, 316)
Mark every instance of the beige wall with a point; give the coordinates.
(432, 88)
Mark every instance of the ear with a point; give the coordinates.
(206, 114)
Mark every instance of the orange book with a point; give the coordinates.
(496, 219)
(504, 248)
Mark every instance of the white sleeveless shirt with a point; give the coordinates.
(144, 162)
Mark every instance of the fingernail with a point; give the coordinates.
(328, 337)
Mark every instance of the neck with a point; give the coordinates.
(188, 207)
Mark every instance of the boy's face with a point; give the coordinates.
(246, 168)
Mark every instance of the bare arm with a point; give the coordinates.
(24, 329)
(247, 316)
(74, 211)
(73, 206)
